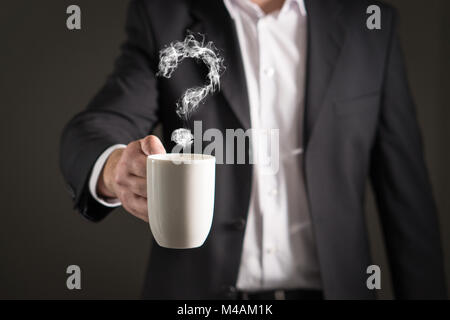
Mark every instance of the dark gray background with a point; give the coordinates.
(48, 73)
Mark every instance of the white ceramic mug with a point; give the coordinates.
(180, 193)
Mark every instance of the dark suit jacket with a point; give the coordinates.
(360, 122)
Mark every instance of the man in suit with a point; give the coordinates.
(337, 92)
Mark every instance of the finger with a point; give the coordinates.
(138, 165)
(152, 145)
(134, 160)
(141, 210)
(134, 148)
(136, 205)
(138, 185)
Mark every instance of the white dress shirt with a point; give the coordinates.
(279, 251)
(95, 174)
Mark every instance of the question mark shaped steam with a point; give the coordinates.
(170, 58)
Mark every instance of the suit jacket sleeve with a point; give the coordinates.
(124, 110)
(402, 189)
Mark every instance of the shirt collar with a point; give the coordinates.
(253, 9)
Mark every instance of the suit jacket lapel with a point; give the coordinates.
(326, 35)
(212, 19)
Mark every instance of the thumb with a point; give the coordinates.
(152, 145)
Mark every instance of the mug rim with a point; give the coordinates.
(197, 157)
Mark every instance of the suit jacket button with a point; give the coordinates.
(71, 191)
(239, 224)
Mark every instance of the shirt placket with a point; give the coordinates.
(268, 184)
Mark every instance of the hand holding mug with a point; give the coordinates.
(124, 175)
(173, 192)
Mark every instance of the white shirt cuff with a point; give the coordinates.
(96, 170)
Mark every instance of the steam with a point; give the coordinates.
(182, 137)
(170, 58)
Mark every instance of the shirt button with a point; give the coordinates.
(230, 291)
(273, 192)
(269, 71)
(270, 250)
